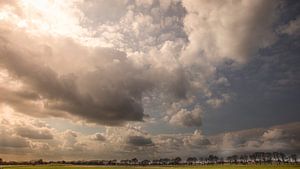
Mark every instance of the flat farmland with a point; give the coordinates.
(156, 167)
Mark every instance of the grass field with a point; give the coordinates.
(157, 167)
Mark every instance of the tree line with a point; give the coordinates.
(253, 158)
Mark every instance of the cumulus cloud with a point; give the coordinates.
(276, 138)
(217, 102)
(272, 134)
(226, 29)
(66, 79)
(8, 140)
(187, 118)
(114, 96)
(292, 28)
(26, 131)
(152, 45)
(98, 137)
(139, 141)
(133, 141)
(196, 140)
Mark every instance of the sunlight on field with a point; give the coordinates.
(158, 167)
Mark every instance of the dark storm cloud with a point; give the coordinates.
(108, 90)
(32, 133)
(266, 89)
(10, 141)
(112, 96)
(139, 141)
(105, 86)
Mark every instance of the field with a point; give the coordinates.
(157, 167)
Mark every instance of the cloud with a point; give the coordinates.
(132, 141)
(97, 67)
(26, 131)
(226, 29)
(8, 140)
(292, 28)
(139, 141)
(98, 137)
(196, 140)
(187, 118)
(110, 94)
(217, 102)
(101, 11)
(272, 134)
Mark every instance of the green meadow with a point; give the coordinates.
(156, 167)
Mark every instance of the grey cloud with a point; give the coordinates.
(104, 86)
(170, 49)
(292, 28)
(26, 131)
(13, 141)
(139, 141)
(196, 140)
(103, 11)
(110, 95)
(187, 118)
(275, 138)
(131, 141)
(98, 137)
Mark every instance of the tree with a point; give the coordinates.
(201, 160)
(268, 157)
(294, 158)
(282, 156)
(212, 159)
(145, 162)
(229, 158)
(191, 160)
(234, 158)
(177, 160)
(276, 156)
(244, 158)
(134, 161)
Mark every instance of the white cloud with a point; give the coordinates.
(98, 137)
(185, 117)
(64, 60)
(292, 28)
(227, 29)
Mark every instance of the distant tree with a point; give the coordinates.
(234, 158)
(282, 157)
(258, 157)
(221, 160)
(276, 156)
(212, 159)
(294, 158)
(229, 158)
(268, 157)
(165, 161)
(145, 162)
(177, 160)
(244, 158)
(201, 159)
(134, 161)
(252, 157)
(191, 160)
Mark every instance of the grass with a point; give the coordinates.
(156, 167)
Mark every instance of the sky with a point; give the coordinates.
(118, 79)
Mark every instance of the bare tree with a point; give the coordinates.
(294, 158)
